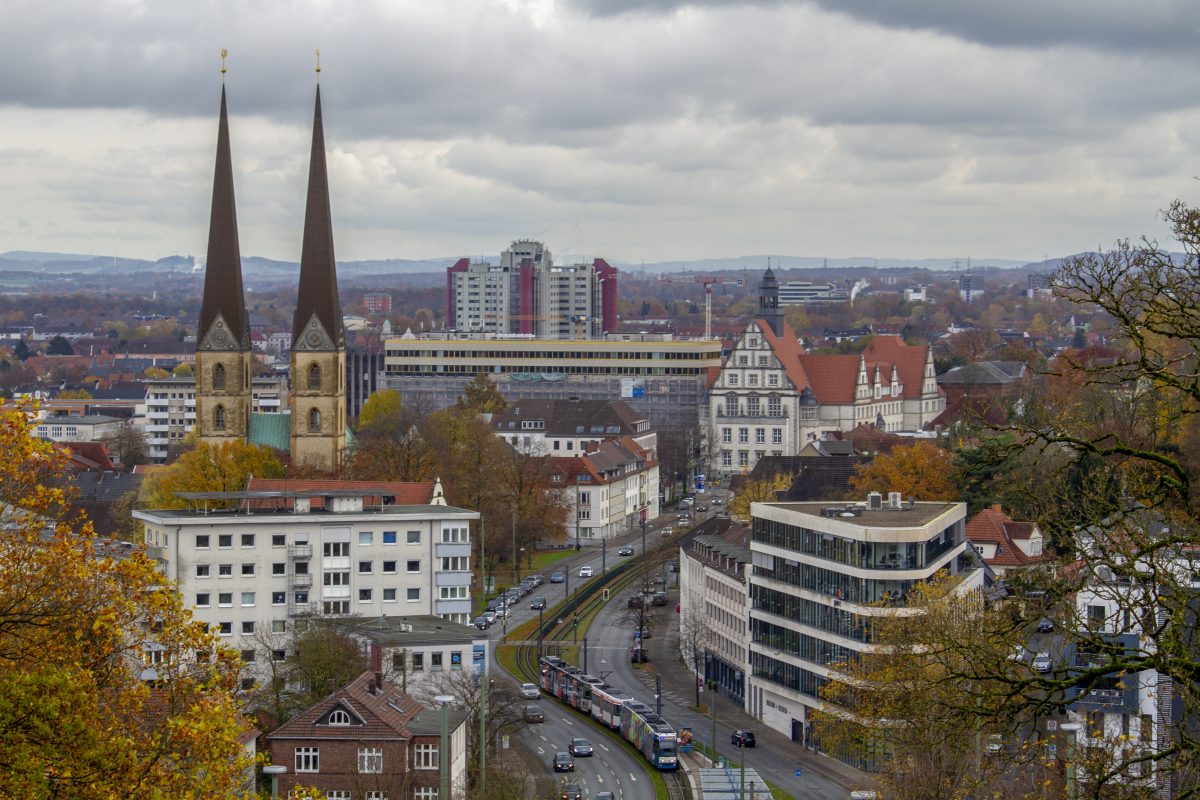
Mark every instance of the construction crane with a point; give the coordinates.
(708, 281)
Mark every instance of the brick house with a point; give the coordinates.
(369, 741)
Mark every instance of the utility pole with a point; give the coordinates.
(712, 702)
(658, 694)
(514, 544)
(644, 530)
(585, 649)
(483, 742)
(482, 566)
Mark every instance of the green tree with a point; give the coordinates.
(182, 371)
(59, 346)
(21, 350)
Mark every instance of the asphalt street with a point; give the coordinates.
(611, 769)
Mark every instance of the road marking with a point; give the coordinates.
(541, 752)
(633, 777)
(569, 722)
(600, 778)
(603, 747)
(544, 739)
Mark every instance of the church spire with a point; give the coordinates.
(223, 321)
(318, 321)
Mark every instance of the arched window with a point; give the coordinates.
(219, 418)
(219, 376)
(339, 717)
(314, 421)
(314, 376)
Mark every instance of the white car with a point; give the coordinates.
(529, 691)
(586, 572)
(1042, 662)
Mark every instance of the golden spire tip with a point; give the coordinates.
(224, 53)
(318, 61)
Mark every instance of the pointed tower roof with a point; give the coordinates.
(318, 310)
(223, 296)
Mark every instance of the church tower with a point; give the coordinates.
(318, 393)
(768, 302)
(223, 351)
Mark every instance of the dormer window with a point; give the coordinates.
(339, 717)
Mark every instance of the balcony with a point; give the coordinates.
(300, 552)
(335, 563)
(452, 549)
(453, 607)
(301, 581)
(157, 415)
(335, 592)
(158, 428)
(453, 578)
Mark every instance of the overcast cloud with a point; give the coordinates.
(630, 129)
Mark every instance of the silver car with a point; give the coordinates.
(529, 691)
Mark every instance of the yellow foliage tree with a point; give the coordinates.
(921, 470)
(77, 626)
(210, 468)
(758, 491)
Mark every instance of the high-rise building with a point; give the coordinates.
(527, 293)
(378, 302)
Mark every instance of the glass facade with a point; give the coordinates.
(810, 648)
(853, 553)
(817, 615)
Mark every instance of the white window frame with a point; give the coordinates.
(370, 760)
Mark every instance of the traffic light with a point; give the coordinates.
(606, 595)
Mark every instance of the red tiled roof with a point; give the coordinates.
(909, 360)
(90, 455)
(834, 378)
(406, 494)
(993, 526)
(383, 715)
(788, 350)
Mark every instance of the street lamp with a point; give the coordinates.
(444, 700)
(1072, 730)
(643, 516)
(274, 771)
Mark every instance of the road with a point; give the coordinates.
(611, 769)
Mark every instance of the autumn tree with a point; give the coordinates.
(210, 468)
(389, 444)
(482, 397)
(128, 446)
(696, 637)
(1099, 441)
(321, 659)
(78, 628)
(921, 470)
(758, 490)
(182, 371)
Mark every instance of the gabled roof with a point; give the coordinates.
(909, 360)
(833, 378)
(993, 526)
(788, 350)
(89, 455)
(385, 714)
(571, 417)
(406, 493)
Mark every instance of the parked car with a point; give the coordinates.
(571, 791)
(1042, 662)
(672, 566)
(537, 603)
(742, 739)
(493, 603)
(995, 745)
(529, 691)
(636, 601)
(580, 748)
(638, 655)
(538, 579)
(1045, 626)
(658, 599)
(558, 577)
(624, 551)
(490, 616)
(563, 762)
(586, 572)
(501, 611)
(481, 622)
(643, 633)
(534, 714)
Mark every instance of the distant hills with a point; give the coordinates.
(254, 266)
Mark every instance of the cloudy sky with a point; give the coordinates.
(630, 129)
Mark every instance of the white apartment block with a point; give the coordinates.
(568, 427)
(170, 410)
(714, 609)
(273, 559)
(819, 572)
(90, 428)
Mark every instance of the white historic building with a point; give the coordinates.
(772, 398)
(609, 489)
(258, 561)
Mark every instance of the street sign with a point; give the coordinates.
(1051, 724)
(799, 772)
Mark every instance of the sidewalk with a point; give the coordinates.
(679, 681)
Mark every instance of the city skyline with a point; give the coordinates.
(632, 130)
